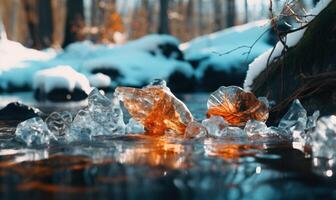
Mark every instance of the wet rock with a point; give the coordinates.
(19, 111)
(59, 95)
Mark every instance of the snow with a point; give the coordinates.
(99, 80)
(137, 66)
(223, 41)
(60, 77)
(260, 63)
(151, 42)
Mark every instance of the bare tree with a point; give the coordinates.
(231, 12)
(163, 17)
(74, 21)
(218, 25)
(45, 22)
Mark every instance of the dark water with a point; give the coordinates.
(140, 167)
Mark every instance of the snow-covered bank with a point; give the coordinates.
(136, 63)
(260, 63)
(213, 49)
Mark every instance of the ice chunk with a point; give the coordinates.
(295, 112)
(311, 122)
(323, 139)
(156, 108)
(134, 126)
(106, 112)
(195, 130)
(279, 132)
(83, 127)
(59, 123)
(236, 106)
(34, 131)
(295, 121)
(214, 125)
(254, 127)
(232, 132)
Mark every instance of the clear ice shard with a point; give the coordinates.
(311, 121)
(83, 127)
(295, 121)
(107, 113)
(323, 138)
(256, 128)
(156, 108)
(195, 130)
(134, 126)
(236, 106)
(34, 131)
(59, 123)
(214, 125)
(232, 132)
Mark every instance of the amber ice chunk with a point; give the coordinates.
(156, 108)
(236, 106)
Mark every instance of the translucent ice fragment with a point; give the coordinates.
(156, 108)
(279, 132)
(134, 126)
(323, 139)
(214, 125)
(233, 132)
(311, 122)
(106, 112)
(59, 123)
(195, 130)
(236, 106)
(295, 112)
(83, 127)
(34, 131)
(256, 128)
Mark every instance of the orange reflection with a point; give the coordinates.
(156, 151)
(229, 151)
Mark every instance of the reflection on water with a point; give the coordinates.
(143, 167)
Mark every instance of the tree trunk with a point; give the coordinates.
(246, 11)
(32, 22)
(200, 17)
(307, 71)
(45, 23)
(163, 17)
(218, 25)
(231, 13)
(74, 22)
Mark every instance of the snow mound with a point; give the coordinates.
(134, 61)
(260, 63)
(151, 42)
(100, 80)
(212, 48)
(60, 77)
(137, 67)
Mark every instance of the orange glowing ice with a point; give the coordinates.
(156, 108)
(236, 106)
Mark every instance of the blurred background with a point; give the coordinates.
(44, 23)
(60, 48)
